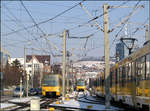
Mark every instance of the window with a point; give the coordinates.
(129, 72)
(116, 76)
(36, 66)
(120, 73)
(140, 68)
(30, 65)
(123, 76)
(143, 71)
(148, 67)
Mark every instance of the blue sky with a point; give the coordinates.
(43, 10)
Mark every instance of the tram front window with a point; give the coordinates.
(51, 82)
(81, 83)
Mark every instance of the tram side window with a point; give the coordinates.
(129, 72)
(138, 68)
(123, 76)
(120, 73)
(148, 67)
(143, 67)
(133, 71)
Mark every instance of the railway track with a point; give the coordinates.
(44, 104)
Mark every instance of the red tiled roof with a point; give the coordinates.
(45, 59)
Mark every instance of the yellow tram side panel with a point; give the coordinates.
(97, 90)
(103, 90)
(143, 89)
(113, 89)
(56, 89)
(128, 90)
(123, 90)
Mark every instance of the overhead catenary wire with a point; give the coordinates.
(94, 19)
(33, 19)
(40, 37)
(91, 17)
(137, 29)
(45, 21)
(20, 24)
(60, 13)
(13, 29)
(38, 26)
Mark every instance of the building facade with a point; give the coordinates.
(120, 51)
(5, 57)
(36, 65)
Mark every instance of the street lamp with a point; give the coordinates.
(129, 43)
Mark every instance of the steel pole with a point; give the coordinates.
(25, 71)
(20, 87)
(32, 70)
(64, 62)
(106, 51)
(67, 73)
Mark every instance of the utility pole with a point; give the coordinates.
(32, 70)
(20, 87)
(64, 62)
(106, 51)
(72, 70)
(147, 33)
(27, 77)
(67, 72)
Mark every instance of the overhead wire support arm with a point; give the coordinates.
(130, 15)
(92, 17)
(121, 6)
(81, 37)
(85, 43)
(52, 44)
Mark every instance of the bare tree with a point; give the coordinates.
(12, 73)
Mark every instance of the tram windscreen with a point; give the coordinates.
(81, 83)
(51, 81)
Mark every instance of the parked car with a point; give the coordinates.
(17, 92)
(33, 91)
(39, 91)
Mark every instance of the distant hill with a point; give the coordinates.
(89, 58)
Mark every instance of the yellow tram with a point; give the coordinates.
(81, 86)
(52, 85)
(129, 80)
